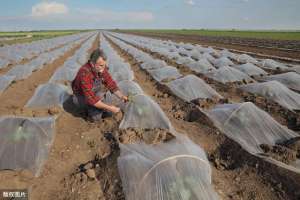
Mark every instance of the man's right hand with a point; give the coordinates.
(107, 107)
(114, 109)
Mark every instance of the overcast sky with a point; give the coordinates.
(212, 14)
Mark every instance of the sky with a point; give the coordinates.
(16, 15)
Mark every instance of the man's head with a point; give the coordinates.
(98, 60)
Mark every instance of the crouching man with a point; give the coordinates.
(90, 86)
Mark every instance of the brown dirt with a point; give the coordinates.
(279, 113)
(280, 153)
(230, 156)
(293, 144)
(244, 181)
(149, 136)
(286, 49)
(230, 92)
(74, 143)
(82, 162)
(97, 178)
(21, 91)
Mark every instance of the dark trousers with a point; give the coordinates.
(95, 114)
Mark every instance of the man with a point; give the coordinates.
(91, 84)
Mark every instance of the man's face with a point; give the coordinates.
(100, 64)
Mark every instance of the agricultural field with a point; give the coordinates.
(274, 35)
(278, 44)
(201, 122)
(8, 38)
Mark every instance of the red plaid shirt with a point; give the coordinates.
(82, 85)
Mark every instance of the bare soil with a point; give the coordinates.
(82, 162)
(243, 176)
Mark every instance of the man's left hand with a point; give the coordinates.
(125, 98)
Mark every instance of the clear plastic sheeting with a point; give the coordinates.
(68, 71)
(212, 51)
(5, 81)
(209, 57)
(191, 88)
(142, 112)
(142, 57)
(3, 63)
(195, 54)
(24, 71)
(250, 69)
(117, 65)
(249, 126)
(20, 71)
(153, 64)
(18, 52)
(228, 75)
(272, 64)
(188, 46)
(83, 58)
(119, 70)
(201, 66)
(25, 142)
(296, 69)
(176, 170)
(130, 88)
(72, 63)
(64, 74)
(276, 92)
(165, 74)
(49, 95)
(222, 62)
(227, 53)
(184, 60)
(289, 79)
(244, 58)
(183, 52)
(123, 74)
(173, 55)
(200, 48)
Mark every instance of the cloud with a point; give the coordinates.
(190, 2)
(246, 19)
(42, 18)
(48, 8)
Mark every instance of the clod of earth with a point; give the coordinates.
(149, 136)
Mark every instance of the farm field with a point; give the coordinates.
(272, 43)
(8, 38)
(203, 121)
(274, 35)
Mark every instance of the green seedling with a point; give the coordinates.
(20, 133)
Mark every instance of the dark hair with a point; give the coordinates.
(97, 54)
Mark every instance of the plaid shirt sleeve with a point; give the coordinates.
(109, 82)
(86, 84)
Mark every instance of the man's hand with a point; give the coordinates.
(125, 98)
(119, 94)
(114, 109)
